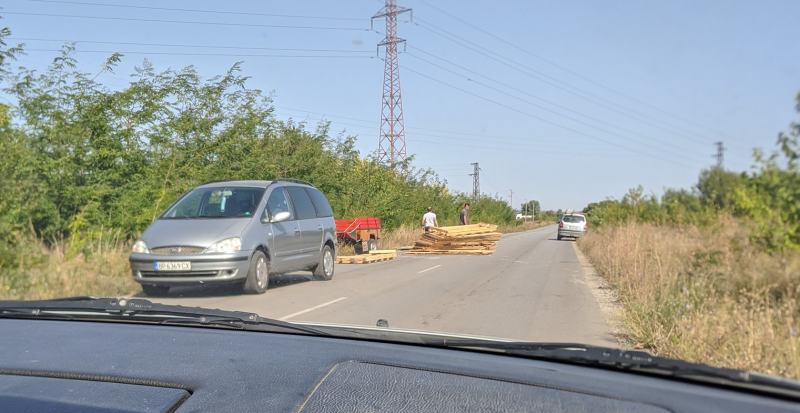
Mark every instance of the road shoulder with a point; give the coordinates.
(607, 299)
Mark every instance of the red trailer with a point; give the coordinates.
(362, 232)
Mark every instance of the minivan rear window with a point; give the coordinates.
(302, 203)
(320, 203)
(573, 218)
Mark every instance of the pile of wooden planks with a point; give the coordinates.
(477, 239)
(373, 256)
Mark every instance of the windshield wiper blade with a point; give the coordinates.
(633, 360)
(138, 310)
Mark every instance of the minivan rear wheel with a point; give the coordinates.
(258, 275)
(324, 269)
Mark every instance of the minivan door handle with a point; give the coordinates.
(319, 228)
(296, 230)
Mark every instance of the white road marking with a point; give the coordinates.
(437, 266)
(308, 310)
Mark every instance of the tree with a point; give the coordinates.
(717, 188)
(530, 208)
(771, 198)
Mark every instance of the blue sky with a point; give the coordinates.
(566, 102)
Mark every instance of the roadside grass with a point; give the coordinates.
(66, 268)
(704, 294)
(404, 236)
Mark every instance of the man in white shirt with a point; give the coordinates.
(429, 220)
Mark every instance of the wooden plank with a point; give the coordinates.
(455, 252)
(383, 252)
(475, 239)
(365, 259)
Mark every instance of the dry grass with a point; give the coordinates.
(404, 236)
(704, 294)
(45, 272)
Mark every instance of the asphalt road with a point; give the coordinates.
(532, 288)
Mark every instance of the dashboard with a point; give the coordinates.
(82, 366)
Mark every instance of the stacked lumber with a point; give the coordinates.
(385, 255)
(477, 239)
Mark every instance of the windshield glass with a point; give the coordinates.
(232, 202)
(615, 173)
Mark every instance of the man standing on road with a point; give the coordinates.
(429, 220)
(464, 217)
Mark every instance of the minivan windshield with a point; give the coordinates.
(573, 218)
(221, 202)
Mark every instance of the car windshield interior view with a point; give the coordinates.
(235, 207)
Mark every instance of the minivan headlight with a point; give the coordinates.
(140, 247)
(226, 246)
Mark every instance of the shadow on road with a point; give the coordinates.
(283, 280)
(224, 290)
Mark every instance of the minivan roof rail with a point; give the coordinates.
(297, 181)
(215, 181)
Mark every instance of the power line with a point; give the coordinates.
(546, 109)
(567, 70)
(527, 73)
(547, 121)
(526, 141)
(523, 92)
(197, 10)
(188, 45)
(516, 148)
(204, 54)
(410, 127)
(516, 145)
(588, 96)
(536, 151)
(187, 22)
(490, 182)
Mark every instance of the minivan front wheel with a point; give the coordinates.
(258, 275)
(324, 269)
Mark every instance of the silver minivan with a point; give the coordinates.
(237, 232)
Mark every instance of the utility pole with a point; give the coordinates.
(720, 154)
(512, 198)
(476, 181)
(392, 142)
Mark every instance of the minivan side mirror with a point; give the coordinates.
(281, 216)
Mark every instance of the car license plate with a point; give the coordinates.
(173, 266)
